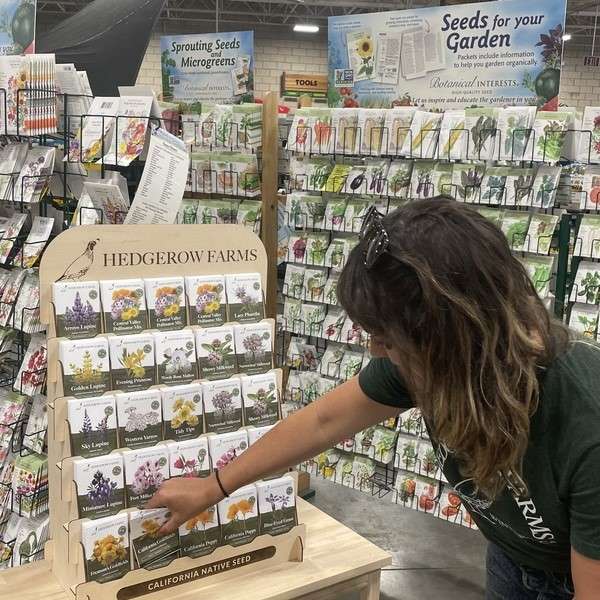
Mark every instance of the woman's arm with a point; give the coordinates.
(586, 576)
(322, 424)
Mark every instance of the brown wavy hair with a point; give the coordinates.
(451, 299)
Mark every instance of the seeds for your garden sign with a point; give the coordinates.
(491, 53)
(208, 68)
(17, 26)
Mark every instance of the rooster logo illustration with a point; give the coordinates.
(81, 265)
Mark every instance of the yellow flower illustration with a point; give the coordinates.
(151, 527)
(172, 310)
(364, 48)
(130, 313)
(176, 422)
(185, 413)
(178, 404)
(108, 549)
(232, 512)
(212, 307)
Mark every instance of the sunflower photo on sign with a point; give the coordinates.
(361, 54)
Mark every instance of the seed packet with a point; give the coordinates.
(353, 333)
(254, 347)
(245, 297)
(384, 444)
(371, 125)
(422, 180)
(139, 417)
(548, 136)
(256, 433)
(309, 384)
(314, 281)
(427, 460)
(338, 178)
(322, 134)
(330, 289)
(277, 505)
(37, 425)
(331, 361)
(35, 174)
(541, 232)
(397, 128)
(583, 319)
(235, 173)
(201, 535)
(587, 243)
(407, 453)
(187, 212)
(12, 229)
(146, 469)
(216, 352)
(337, 253)
(514, 129)
(150, 549)
(189, 458)
(466, 182)
(493, 185)
(27, 306)
(35, 243)
(249, 215)
(454, 136)
(344, 123)
(85, 367)
(222, 405)
(293, 284)
(32, 373)
(133, 362)
(518, 188)
(77, 308)
(482, 125)
(165, 300)
(356, 180)
(450, 507)
(260, 400)
(335, 209)
(411, 422)
(217, 212)
(175, 357)
(363, 469)
(545, 186)
(226, 447)
(327, 463)
(124, 306)
(422, 138)
(405, 490)
(398, 178)
(93, 426)
(313, 316)
(294, 356)
(351, 364)
(376, 176)
(333, 323)
(588, 147)
(201, 175)
(540, 270)
(29, 476)
(590, 193)
(292, 315)
(363, 442)
(106, 548)
(300, 134)
(586, 288)
(316, 245)
(100, 486)
(515, 225)
(182, 411)
(238, 515)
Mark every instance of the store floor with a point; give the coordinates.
(431, 559)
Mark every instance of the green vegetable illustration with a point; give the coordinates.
(481, 132)
(590, 325)
(590, 288)
(550, 144)
(540, 278)
(516, 234)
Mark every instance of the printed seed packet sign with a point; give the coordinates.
(492, 53)
(201, 534)
(208, 68)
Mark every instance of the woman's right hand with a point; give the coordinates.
(185, 498)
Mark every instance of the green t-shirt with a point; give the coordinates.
(561, 465)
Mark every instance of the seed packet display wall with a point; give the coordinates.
(100, 487)
(345, 161)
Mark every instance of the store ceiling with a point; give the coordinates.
(200, 15)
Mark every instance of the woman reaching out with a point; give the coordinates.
(512, 404)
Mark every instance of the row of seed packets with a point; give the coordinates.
(93, 366)
(224, 126)
(84, 309)
(227, 173)
(101, 424)
(320, 248)
(507, 134)
(22, 540)
(19, 250)
(330, 323)
(109, 483)
(474, 182)
(25, 172)
(228, 211)
(114, 545)
(20, 300)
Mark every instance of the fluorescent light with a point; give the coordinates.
(567, 37)
(303, 28)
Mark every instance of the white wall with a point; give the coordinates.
(580, 86)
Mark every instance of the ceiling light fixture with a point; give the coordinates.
(304, 28)
(567, 37)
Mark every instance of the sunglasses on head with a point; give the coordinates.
(373, 237)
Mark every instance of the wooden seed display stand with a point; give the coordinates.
(271, 566)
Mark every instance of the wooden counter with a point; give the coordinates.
(336, 559)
